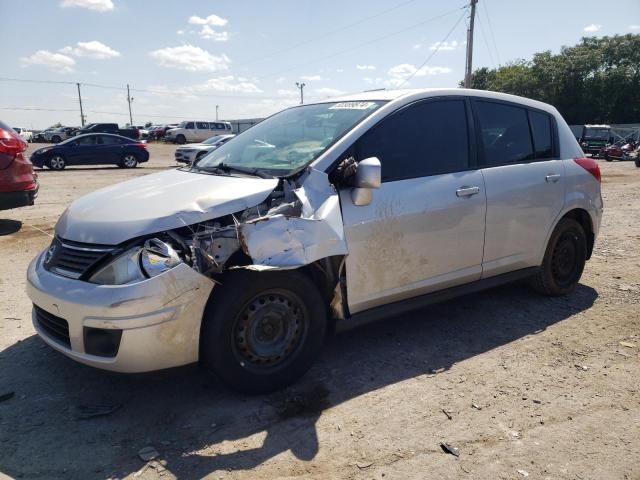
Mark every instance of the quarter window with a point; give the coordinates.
(541, 128)
(423, 139)
(504, 131)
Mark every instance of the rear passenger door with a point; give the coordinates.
(424, 229)
(524, 179)
(109, 150)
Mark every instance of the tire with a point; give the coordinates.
(129, 160)
(563, 261)
(57, 162)
(181, 140)
(56, 139)
(637, 162)
(607, 157)
(262, 331)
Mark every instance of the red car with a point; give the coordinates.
(18, 183)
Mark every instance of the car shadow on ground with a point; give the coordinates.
(190, 419)
(7, 227)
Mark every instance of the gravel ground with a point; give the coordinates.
(522, 385)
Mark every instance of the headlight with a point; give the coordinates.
(158, 257)
(138, 263)
(122, 270)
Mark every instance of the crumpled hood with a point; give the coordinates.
(158, 202)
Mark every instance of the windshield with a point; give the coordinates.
(289, 140)
(180, 125)
(597, 133)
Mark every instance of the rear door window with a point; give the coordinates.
(541, 129)
(107, 140)
(504, 133)
(422, 139)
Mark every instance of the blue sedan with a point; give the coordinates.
(92, 149)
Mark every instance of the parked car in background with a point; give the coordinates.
(59, 134)
(323, 215)
(40, 136)
(92, 149)
(195, 132)
(619, 151)
(142, 130)
(193, 152)
(158, 133)
(26, 135)
(130, 132)
(595, 137)
(18, 182)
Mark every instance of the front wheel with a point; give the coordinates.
(57, 163)
(262, 331)
(181, 139)
(563, 261)
(56, 139)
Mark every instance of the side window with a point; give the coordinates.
(541, 128)
(189, 126)
(217, 126)
(504, 130)
(107, 140)
(427, 138)
(89, 140)
(202, 125)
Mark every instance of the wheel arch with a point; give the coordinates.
(581, 216)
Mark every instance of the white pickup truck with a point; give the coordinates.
(26, 135)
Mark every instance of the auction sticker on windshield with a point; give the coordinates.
(352, 106)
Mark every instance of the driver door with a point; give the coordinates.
(424, 229)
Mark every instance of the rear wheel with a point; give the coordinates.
(57, 162)
(129, 160)
(563, 261)
(262, 331)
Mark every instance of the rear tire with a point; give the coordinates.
(129, 160)
(262, 331)
(563, 261)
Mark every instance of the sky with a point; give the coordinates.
(182, 58)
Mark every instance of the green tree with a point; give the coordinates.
(595, 81)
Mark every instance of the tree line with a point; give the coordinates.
(595, 81)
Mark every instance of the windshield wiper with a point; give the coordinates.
(223, 167)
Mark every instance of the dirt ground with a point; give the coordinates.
(522, 385)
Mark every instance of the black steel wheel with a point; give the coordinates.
(564, 259)
(262, 331)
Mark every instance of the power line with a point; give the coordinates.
(493, 38)
(326, 34)
(439, 45)
(364, 44)
(484, 39)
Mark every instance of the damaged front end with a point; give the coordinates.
(298, 225)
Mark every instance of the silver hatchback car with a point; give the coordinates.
(324, 215)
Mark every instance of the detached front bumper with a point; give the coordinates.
(156, 323)
(185, 156)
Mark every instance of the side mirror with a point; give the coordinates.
(368, 176)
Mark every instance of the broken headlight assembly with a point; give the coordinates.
(138, 263)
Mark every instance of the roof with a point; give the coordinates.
(416, 93)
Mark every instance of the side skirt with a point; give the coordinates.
(397, 308)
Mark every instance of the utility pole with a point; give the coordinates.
(80, 100)
(301, 87)
(217, 107)
(129, 100)
(467, 73)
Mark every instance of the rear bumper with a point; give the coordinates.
(22, 198)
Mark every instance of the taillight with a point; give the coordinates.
(141, 145)
(11, 143)
(590, 165)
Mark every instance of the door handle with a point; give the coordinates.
(467, 191)
(552, 178)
